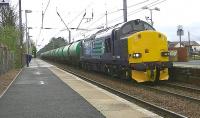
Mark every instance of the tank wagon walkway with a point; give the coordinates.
(44, 91)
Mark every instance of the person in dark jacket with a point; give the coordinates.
(28, 59)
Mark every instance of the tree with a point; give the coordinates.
(9, 32)
(53, 44)
(34, 50)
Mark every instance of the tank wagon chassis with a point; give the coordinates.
(131, 50)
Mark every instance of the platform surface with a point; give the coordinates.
(45, 91)
(38, 93)
(195, 64)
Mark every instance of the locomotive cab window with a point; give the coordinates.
(133, 27)
(127, 29)
(141, 26)
(148, 27)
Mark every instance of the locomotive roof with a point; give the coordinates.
(104, 32)
(107, 32)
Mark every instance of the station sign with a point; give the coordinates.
(180, 31)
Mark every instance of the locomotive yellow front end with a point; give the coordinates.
(148, 56)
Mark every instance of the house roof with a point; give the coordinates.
(172, 44)
(193, 43)
(184, 43)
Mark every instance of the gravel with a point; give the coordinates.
(192, 94)
(7, 78)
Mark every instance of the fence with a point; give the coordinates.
(179, 54)
(6, 59)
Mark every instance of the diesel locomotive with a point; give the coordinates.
(130, 50)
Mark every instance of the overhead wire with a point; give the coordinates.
(137, 3)
(139, 9)
(193, 35)
(80, 13)
(150, 5)
(127, 7)
(157, 3)
(70, 21)
(122, 9)
(43, 14)
(81, 21)
(129, 14)
(47, 6)
(114, 11)
(102, 16)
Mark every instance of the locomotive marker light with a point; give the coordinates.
(180, 32)
(137, 55)
(165, 54)
(151, 13)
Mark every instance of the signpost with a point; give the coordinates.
(180, 32)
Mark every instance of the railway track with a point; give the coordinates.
(157, 109)
(183, 87)
(193, 99)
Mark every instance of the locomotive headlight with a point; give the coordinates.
(137, 55)
(165, 54)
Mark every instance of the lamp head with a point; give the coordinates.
(28, 11)
(156, 8)
(145, 7)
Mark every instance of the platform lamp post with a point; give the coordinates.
(27, 38)
(21, 34)
(29, 45)
(151, 13)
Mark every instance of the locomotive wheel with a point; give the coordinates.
(171, 74)
(84, 66)
(125, 74)
(106, 70)
(110, 72)
(157, 75)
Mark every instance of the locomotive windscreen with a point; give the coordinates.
(135, 26)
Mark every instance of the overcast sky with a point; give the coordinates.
(172, 13)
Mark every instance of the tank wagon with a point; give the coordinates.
(132, 50)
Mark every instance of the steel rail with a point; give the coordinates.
(172, 93)
(182, 87)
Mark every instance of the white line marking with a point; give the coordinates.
(38, 73)
(41, 82)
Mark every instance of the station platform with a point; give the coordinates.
(45, 91)
(194, 64)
